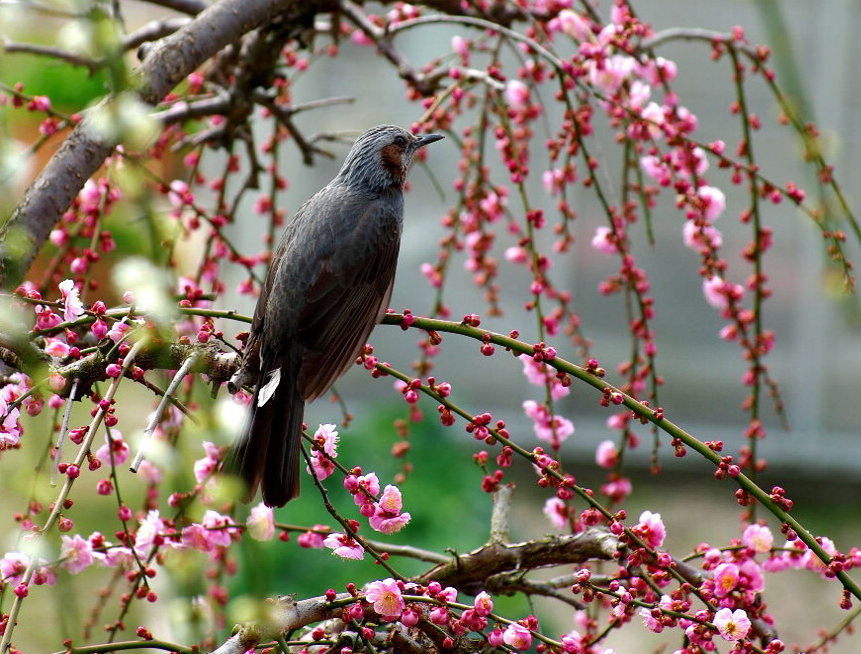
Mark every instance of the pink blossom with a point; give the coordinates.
(617, 489)
(119, 446)
(77, 553)
(517, 94)
(517, 636)
(606, 455)
(220, 528)
(386, 598)
(56, 348)
(12, 567)
(204, 467)
(751, 576)
(725, 578)
(180, 194)
(609, 74)
(311, 539)
(651, 529)
(714, 201)
(326, 437)
(698, 237)
(321, 466)
(516, 254)
(461, 46)
(572, 24)
(556, 512)
(654, 115)
(550, 429)
(539, 374)
(652, 623)
(360, 38)
(73, 308)
(368, 487)
(655, 168)
(118, 331)
(758, 538)
(118, 556)
(811, 560)
(387, 517)
(261, 523)
(732, 625)
(344, 546)
(718, 292)
(449, 594)
(483, 604)
(603, 241)
(150, 472)
(10, 428)
(659, 69)
(149, 532)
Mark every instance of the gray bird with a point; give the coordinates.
(329, 283)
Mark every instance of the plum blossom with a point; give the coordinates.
(758, 538)
(606, 455)
(517, 636)
(149, 533)
(326, 440)
(655, 168)
(571, 23)
(719, 292)
(367, 487)
(204, 467)
(556, 512)
(386, 598)
(611, 73)
(77, 553)
(726, 577)
(261, 523)
(12, 567)
(550, 429)
(10, 428)
(811, 560)
(539, 374)
(115, 451)
(210, 533)
(56, 347)
(73, 308)
(698, 237)
(483, 604)
(517, 94)
(713, 201)
(652, 623)
(651, 529)
(604, 242)
(311, 539)
(387, 517)
(344, 546)
(732, 625)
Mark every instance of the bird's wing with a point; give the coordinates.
(348, 297)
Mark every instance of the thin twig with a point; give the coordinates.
(58, 447)
(150, 428)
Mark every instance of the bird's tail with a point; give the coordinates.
(268, 452)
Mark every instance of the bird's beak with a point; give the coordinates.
(426, 139)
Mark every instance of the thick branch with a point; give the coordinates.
(470, 572)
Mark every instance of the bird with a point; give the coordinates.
(329, 283)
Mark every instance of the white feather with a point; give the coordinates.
(268, 389)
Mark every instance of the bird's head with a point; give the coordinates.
(381, 157)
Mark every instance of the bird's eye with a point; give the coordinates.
(400, 141)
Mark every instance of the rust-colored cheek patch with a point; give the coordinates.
(393, 158)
